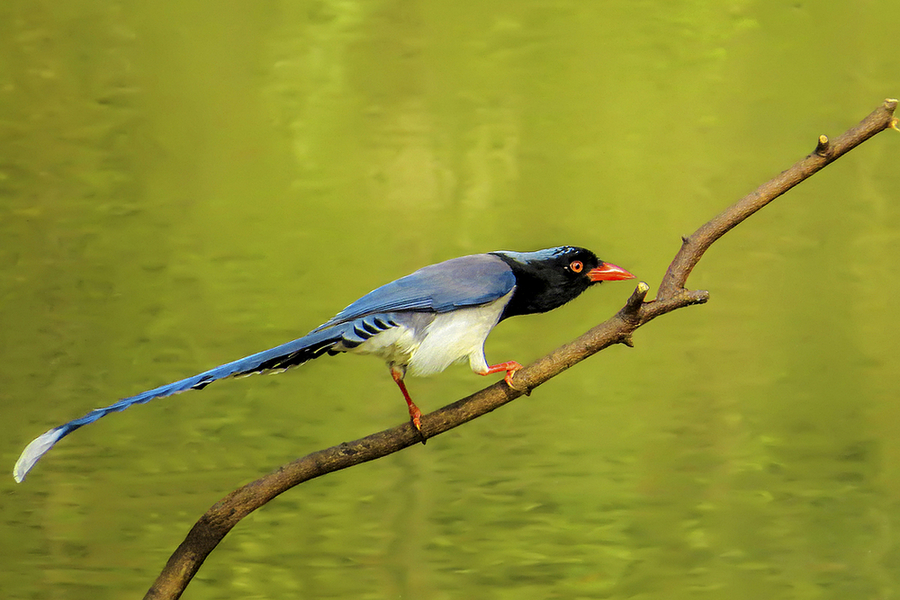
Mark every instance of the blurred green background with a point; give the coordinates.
(185, 183)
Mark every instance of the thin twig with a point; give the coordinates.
(225, 514)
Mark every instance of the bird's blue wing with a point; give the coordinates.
(456, 283)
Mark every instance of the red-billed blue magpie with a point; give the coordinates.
(420, 324)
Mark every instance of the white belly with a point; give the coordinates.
(448, 338)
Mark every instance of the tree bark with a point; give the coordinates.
(212, 527)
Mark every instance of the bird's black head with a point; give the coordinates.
(547, 279)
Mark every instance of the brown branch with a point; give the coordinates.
(825, 153)
(225, 514)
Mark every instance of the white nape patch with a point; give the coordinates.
(456, 335)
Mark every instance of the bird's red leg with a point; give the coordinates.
(510, 367)
(415, 415)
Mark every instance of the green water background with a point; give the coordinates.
(185, 183)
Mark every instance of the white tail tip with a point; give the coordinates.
(34, 451)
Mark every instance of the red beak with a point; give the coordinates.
(608, 272)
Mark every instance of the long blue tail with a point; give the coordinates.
(279, 358)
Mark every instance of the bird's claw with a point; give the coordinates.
(515, 386)
(510, 367)
(416, 420)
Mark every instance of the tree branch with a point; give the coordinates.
(225, 514)
(826, 152)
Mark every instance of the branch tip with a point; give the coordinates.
(633, 304)
(697, 296)
(628, 340)
(822, 146)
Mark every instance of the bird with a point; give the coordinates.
(419, 324)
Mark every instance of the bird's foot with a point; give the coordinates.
(510, 367)
(415, 417)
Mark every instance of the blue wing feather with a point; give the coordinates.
(452, 284)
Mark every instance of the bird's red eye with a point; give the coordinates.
(577, 266)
